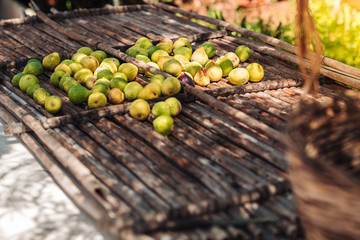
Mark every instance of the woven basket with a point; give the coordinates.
(324, 154)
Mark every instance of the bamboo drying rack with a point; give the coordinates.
(223, 170)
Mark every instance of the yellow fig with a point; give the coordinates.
(161, 60)
(182, 59)
(233, 58)
(51, 61)
(201, 79)
(166, 46)
(172, 67)
(90, 62)
(213, 71)
(200, 56)
(182, 42)
(130, 70)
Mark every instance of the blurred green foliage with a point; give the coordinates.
(339, 28)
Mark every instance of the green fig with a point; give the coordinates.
(107, 65)
(85, 50)
(192, 68)
(113, 60)
(82, 75)
(63, 79)
(144, 59)
(136, 50)
(166, 46)
(150, 50)
(103, 80)
(173, 67)
(163, 125)
(75, 67)
(34, 68)
(33, 60)
(106, 73)
(155, 56)
(40, 96)
(68, 84)
(143, 42)
(182, 42)
(53, 104)
(161, 60)
(225, 64)
(67, 61)
(170, 86)
(101, 87)
(243, 52)
(139, 109)
(213, 71)
(200, 56)
(16, 79)
(78, 94)
(99, 55)
(183, 51)
(26, 81)
(161, 108)
(63, 67)
(51, 61)
(175, 105)
(132, 90)
(209, 49)
(157, 78)
(77, 57)
(120, 75)
(119, 83)
(31, 89)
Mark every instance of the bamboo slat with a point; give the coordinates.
(82, 200)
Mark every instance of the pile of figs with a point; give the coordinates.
(200, 66)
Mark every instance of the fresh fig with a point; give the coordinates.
(200, 56)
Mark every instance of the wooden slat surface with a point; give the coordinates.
(210, 155)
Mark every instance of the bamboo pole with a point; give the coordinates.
(245, 32)
(254, 87)
(240, 137)
(157, 220)
(176, 178)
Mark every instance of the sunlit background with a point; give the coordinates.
(338, 23)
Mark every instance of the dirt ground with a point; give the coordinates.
(234, 10)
